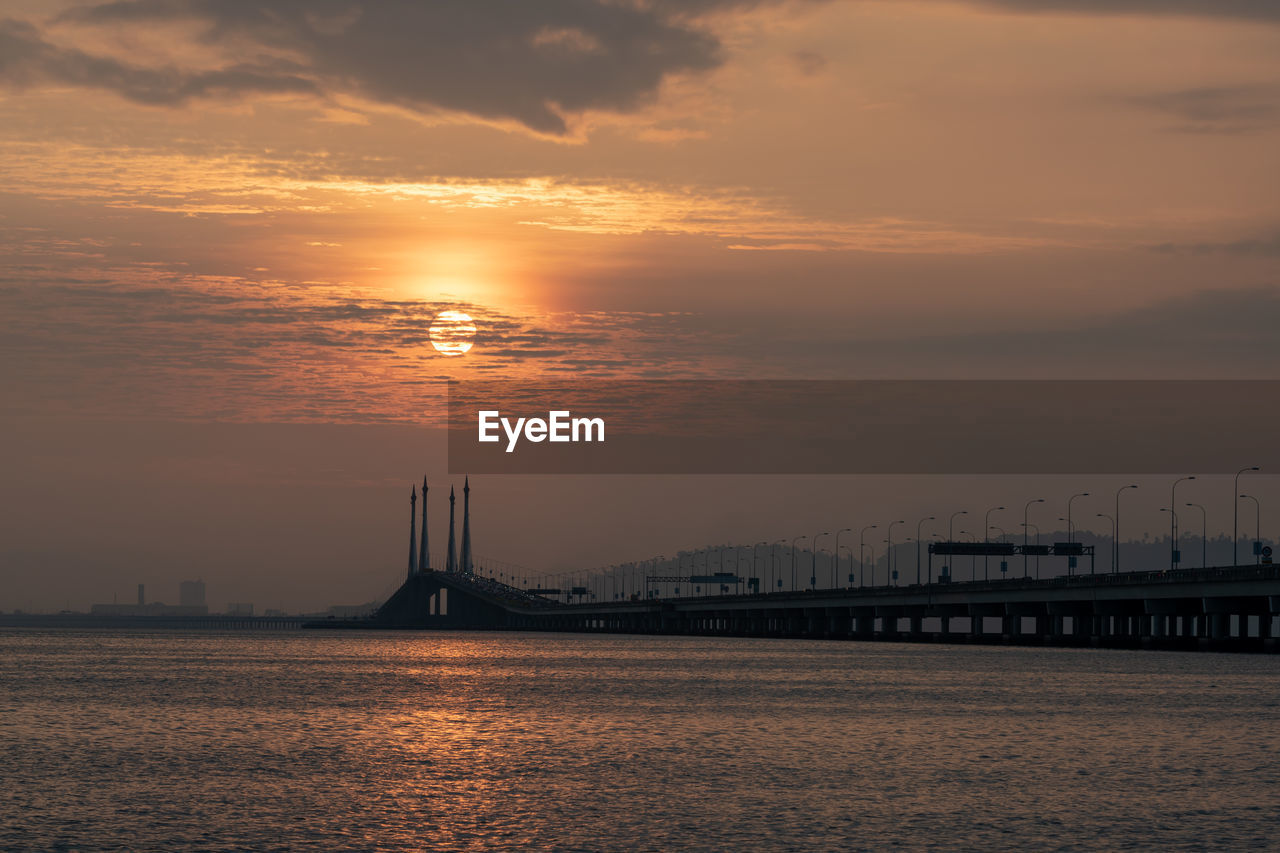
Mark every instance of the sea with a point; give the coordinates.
(329, 740)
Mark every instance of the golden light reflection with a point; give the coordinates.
(453, 333)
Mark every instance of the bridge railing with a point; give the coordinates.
(1168, 576)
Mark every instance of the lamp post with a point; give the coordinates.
(793, 561)
(920, 522)
(862, 575)
(1071, 531)
(986, 540)
(1026, 527)
(973, 561)
(813, 568)
(1257, 527)
(1235, 526)
(1115, 545)
(775, 564)
(755, 562)
(849, 548)
(1204, 535)
(889, 552)
(1173, 531)
(951, 534)
(1112, 519)
(1175, 524)
(835, 566)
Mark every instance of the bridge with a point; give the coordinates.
(1227, 608)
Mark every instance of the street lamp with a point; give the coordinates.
(973, 561)
(862, 575)
(1026, 526)
(835, 566)
(1169, 510)
(920, 522)
(872, 549)
(1235, 526)
(1115, 545)
(1257, 527)
(1173, 531)
(1204, 535)
(755, 562)
(813, 567)
(775, 563)
(986, 540)
(849, 548)
(1071, 531)
(889, 553)
(793, 561)
(1111, 519)
(951, 533)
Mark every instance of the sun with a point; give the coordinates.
(452, 333)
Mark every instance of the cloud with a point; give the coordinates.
(1219, 109)
(1266, 246)
(1249, 10)
(26, 59)
(145, 341)
(536, 64)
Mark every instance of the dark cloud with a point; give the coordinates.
(1219, 109)
(27, 58)
(1252, 10)
(1263, 247)
(182, 347)
(535, 63)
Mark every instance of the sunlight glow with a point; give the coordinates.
(453, 333)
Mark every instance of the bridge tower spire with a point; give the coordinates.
(467, 565)
(424, 557)
(413, 534)
(451, 560)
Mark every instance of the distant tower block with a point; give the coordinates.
(142, 594)
(413, 533)
(451, 559)
(424, 556)
(466, 527)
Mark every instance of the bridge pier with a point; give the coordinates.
(978, 612)
(888, 622)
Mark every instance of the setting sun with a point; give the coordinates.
(453, 333)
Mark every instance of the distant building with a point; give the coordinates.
(239, 609)
(191, 593)
(156, 608)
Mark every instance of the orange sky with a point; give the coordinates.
(212, 212)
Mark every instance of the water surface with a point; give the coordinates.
(368, 741)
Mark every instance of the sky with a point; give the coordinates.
(226, 228)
